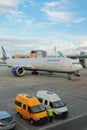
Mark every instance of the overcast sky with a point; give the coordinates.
(27, 25)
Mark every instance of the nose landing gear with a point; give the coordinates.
(71, 75)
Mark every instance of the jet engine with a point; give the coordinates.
(18, 70)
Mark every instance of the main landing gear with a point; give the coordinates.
(34, 72)
(70, 75)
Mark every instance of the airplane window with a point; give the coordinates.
(52, 61)
(75, 63)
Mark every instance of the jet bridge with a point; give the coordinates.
(82, 59)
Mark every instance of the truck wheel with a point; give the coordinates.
(19, 115)
(55, 116)
(31, 121)
(13, 128)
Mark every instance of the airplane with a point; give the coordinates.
(48, 64)
(82, 53)
(60, 53)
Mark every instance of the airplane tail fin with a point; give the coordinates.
(61, 54)
(4, 54)
(82, 53)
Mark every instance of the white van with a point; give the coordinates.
(51, 99)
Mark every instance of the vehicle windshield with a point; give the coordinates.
(37, 109)
(58, 104)
(6, 120)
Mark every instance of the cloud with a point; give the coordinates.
(13, 13)
(32, 2)
(80, 43)
(51, 4)
(84, 44)
(78, 38)
(11, 3)
(25, 45)
(8, 6)
(62, 11)
(80, 20)
(57, 16)
(22, 45)
(55, 11)
(18, 17)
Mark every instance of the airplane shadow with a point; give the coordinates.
(46, 74)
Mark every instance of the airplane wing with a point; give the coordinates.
(18, 70)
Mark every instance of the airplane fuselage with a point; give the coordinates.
(56, 64)
(52, 64)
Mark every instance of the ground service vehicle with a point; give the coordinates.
(30, 108)
(6, 121)
(50, 99)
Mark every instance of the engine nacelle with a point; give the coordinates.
(18, 70)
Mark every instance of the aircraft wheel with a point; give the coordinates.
(34, 72)
(69, 78)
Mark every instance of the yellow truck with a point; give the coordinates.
(30, 108)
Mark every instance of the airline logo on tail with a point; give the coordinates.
(82, 53)
(4, 54)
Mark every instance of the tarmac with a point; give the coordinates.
(74, 93)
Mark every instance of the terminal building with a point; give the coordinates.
(37, 53)
(32, 54)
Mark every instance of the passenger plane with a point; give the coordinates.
(48, 64)
(61, 54)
